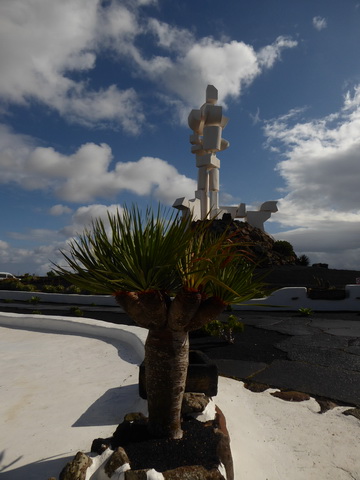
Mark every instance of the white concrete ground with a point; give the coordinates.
(59, 391)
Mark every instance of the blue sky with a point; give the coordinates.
(94, 97)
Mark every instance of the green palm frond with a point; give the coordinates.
(235, 282)
(208, 257)
(136, 253)
(158, 251)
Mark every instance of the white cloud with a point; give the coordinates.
(332, 242)
(319, 23)
(40, 259)
(268, 55)
(87, 174)
(84, 216)
(42, 42)
(3, 245)
(255, 117)
(227, 64)
(321, 170)
(59, 209)
(48, 50)
(169, 36)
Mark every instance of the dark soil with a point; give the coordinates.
(198, 445)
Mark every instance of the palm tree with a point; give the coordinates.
(171, 278)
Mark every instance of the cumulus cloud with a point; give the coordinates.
(230, 65)
(41, 258)
(44, 42)
(85, 215)
(319, 23)
(48, 50)
(88, 173)
(3, 245)
(59, 209)
(321, 171)
(321, 163)
(268, 55)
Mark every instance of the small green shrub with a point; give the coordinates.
(34, 300)
(29, 288)
(284, 248)
(77, 311)
(27, 277)
(48, 289)
(73, 289)
(225, 329)
(303, 260)
(305, 312)
(53, 289)
(11, 284)
(36, 312)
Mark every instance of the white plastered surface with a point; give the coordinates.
(60, 391)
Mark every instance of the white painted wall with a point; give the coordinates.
(288, 298)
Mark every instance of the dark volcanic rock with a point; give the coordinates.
(117, 459)
(76, 469)
(195, 472)
(259, 244)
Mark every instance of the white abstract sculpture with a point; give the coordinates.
(207, 124)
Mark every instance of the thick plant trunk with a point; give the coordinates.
(166, 363)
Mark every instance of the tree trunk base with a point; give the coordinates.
(202, 454)
(202, 375)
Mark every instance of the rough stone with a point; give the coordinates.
(256, 387)
(99, 445)
(291, 396)
(125, 430)
(194, 403)
(195, 472)
(258, 243)
(223, 449)
(136, 474)
(355, 412)
(135, 417)
(326, 404)
(76, 469)
(117, 459)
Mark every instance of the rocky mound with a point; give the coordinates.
(263, 249)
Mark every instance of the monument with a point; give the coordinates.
(207, 124)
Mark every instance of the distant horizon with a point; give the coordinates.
(94, 99)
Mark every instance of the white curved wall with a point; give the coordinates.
(288, 298)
